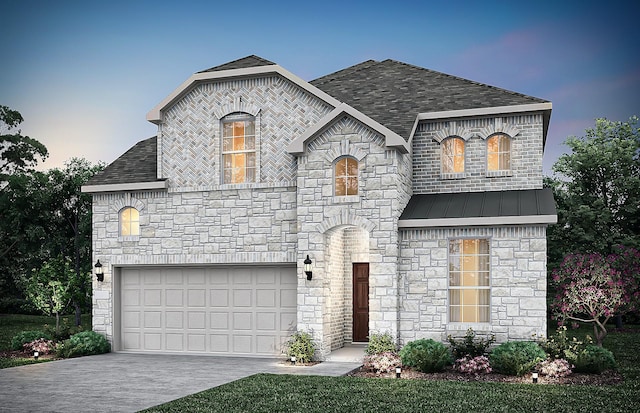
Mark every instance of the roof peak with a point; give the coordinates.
(242, 63)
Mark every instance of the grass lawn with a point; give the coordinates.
(12, 324)
(287, 393)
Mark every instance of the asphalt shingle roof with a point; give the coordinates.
(392, 93)
(480, 204)
(245, 62)
(138, 164)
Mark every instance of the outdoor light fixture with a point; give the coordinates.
(307, 267)
(99, 273)
(534, 376)
(293, 360)
(36, 354)
(398, 371)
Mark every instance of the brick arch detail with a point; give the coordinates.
(345, 217)
(453, 131)
(509, 130)
(345, 149)
(238, 105)
(127, 201)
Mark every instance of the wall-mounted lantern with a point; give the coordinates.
(307, 267)
(99, 273)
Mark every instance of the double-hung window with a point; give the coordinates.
(129, 222)
(238, 149)
(453, 156)
(499, 153)
(469, 280)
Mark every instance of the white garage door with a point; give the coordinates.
(225, 311)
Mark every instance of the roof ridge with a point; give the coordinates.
(262, 60)
(343, 72)
(463, 79)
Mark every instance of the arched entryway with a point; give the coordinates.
(347, 258)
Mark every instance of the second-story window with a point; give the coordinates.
(346, 174)
(452, 156)
(238, 150)
(498, 153)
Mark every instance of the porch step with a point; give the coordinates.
(348, 354)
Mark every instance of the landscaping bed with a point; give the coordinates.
(609, 377)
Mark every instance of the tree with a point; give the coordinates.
(18, 153)
(50, 288)
(597, 191)
(590, 289)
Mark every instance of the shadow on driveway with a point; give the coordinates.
(122, 382)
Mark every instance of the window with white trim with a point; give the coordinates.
(499, 153)
(453, 156)
(346, 176)
(238, 149)
(129, 218)
(469, 281)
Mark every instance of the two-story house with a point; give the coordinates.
(383, 197)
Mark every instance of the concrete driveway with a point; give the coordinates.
(121, 382)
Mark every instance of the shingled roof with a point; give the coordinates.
(138, 164)
(393, 93)
(245, 62)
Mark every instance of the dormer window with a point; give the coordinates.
(346, 175)
(453, 156)
(238, 149)
(499, 153)
(129, 218)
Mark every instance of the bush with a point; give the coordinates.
(380, 343)
(301, 346)
(559, 346)
(65, 330)
(515, 358)
(85, 343)
(41, 345)
(593, 359)
(554, 368)
(382, 362)
(469, 346)
(425, 355)
(475, 365)
(20, 339)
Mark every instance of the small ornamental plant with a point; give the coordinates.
(382, 362)
(301, 346)
(555, 368)
(475, 365)
(470, 346)
(380, 343)
(41, 345)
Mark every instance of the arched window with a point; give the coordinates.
(453, 155)
(346, 174)
(499, 153)
(129, 222)
(238, 149)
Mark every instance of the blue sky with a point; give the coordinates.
(84, 74)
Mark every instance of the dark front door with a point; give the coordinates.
(361, 302)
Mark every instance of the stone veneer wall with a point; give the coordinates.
(382, 197)
(518, 283)
(526, 154)
(212, 227)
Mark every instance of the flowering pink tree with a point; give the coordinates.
(591, 290)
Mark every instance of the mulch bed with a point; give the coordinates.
(608, 377)
(13, 354)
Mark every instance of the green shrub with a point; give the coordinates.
(20, 339)
(425, 355)
(65, 330)
(560, 346)
(593, 359)
(470, 346)
(516, 358)
(85, 343)
(301, 346)
(380, 343)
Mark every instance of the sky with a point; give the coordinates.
(84, 74)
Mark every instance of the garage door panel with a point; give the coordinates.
(217, 310)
